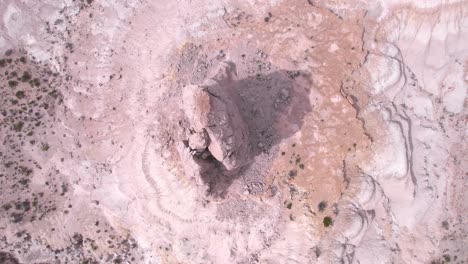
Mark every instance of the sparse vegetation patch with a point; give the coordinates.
(327, 221)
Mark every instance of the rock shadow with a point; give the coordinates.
(273, 106)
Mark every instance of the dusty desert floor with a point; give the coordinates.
(229, 131)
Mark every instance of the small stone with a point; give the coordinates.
(198, 141)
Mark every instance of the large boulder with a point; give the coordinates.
(212, 109)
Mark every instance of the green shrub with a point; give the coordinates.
(26, 76)
(12, 83)
(327, 221)
(447, 258)
(45, 147)
(18, 126)
(20, 94)
(36, 82)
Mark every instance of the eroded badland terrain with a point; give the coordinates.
(280, 131)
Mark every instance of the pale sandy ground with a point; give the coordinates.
(373, 124)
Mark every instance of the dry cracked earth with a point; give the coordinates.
(259, 131)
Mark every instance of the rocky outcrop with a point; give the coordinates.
(218, 129)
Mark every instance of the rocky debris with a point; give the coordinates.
(213, 113)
